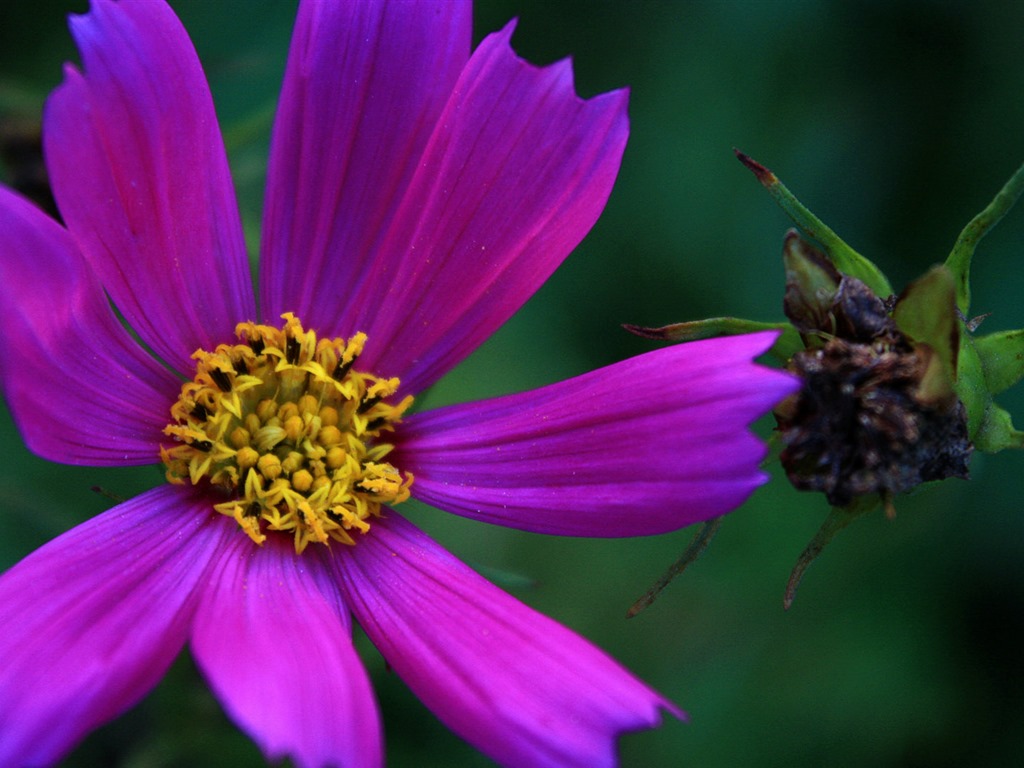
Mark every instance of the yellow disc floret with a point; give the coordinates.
(285, 427)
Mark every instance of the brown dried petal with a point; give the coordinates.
(857, 426)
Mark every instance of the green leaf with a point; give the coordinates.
(846, 260)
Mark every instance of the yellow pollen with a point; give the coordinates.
(289, 432)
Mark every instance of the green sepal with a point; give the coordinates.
(926, 312)
(812, 283)
(784, 347)
(700, 542)
(992, 363)
(1002, 359)
(972, 389)
(959, 259)
(846, 260)
(996, 432)
(838, 518)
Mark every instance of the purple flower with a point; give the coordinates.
(417, 196)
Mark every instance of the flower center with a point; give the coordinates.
(287, 430)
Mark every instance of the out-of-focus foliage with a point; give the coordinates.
(896, 122)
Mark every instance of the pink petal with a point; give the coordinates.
(92, 620)
(364, 86)
(645, 446)
(81, 390)
(274, 640)
(516, 173)
(518, 686)
(141, 178)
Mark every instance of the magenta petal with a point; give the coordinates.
(92, 620)
(645, 446)
(518, 686)
(364, 86)
(141, 178)
(514, 176)
(274, 640)
(81, 390)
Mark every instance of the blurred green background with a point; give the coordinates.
(895, 122)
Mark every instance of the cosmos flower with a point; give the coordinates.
(417, 195)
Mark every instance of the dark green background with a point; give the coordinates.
(895, 122)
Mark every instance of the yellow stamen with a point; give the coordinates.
(285, 427)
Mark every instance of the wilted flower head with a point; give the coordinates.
(877, 414)
(417, 195)
(896, 391)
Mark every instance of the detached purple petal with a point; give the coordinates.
(520, 687)
(515, 175)
(141, 178)
(274, 640)
(644, 446)
(92, 620)
(363, 90)
(80, 388)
